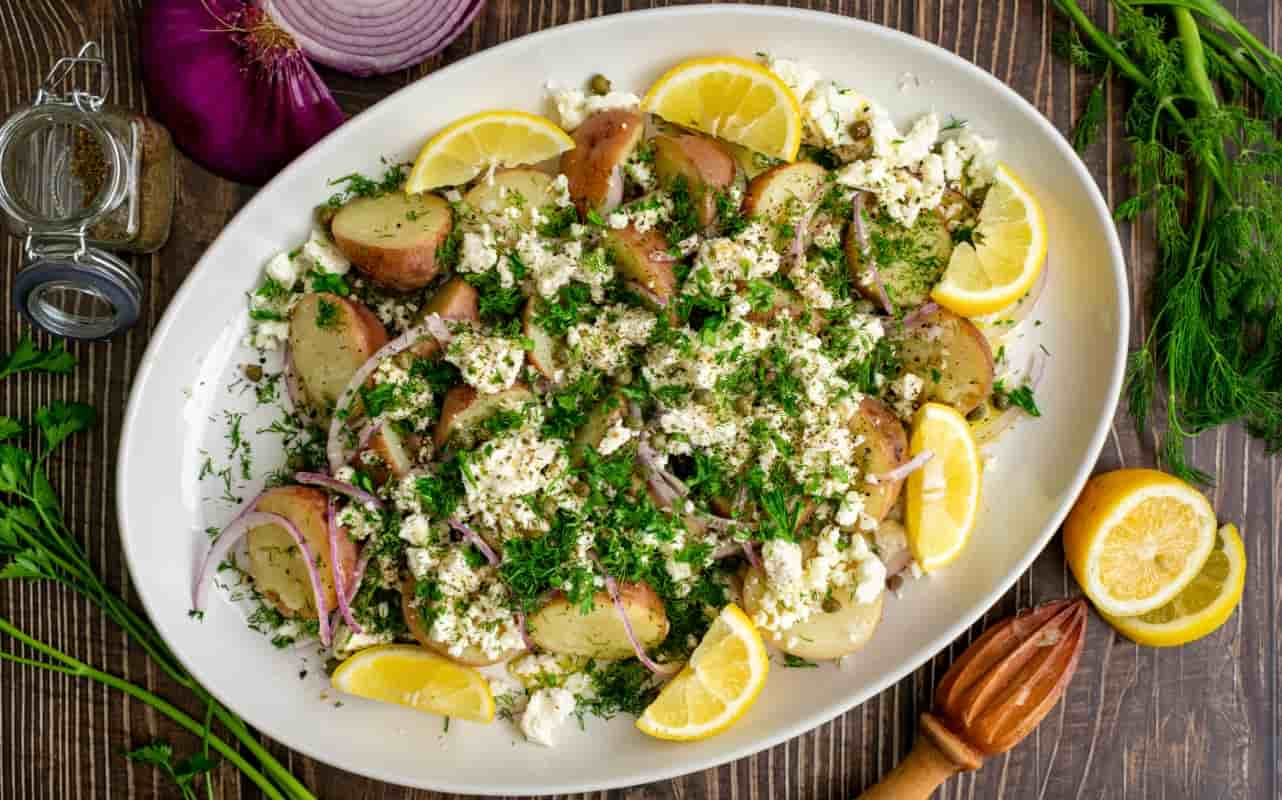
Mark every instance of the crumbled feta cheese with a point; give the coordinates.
(489, 363)
(416, 530)
(574, 105)
(852, 505)
(347, 643)
(281, 269)
(722, 263)
(615, 437)
(324, 256)
(267, 335)
(799, 77)
(782, 562)
(870, 580)
(830, 111)
(907, 388)
(548, 710)
(421, 561)
(504, 471)
(605, 344)
(479, 252)
(795, 591)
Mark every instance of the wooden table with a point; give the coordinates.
(1198, 722)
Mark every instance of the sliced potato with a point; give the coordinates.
(456, 300)
(643, 259)
(464, 409)
(951, 356)
(525, 189)
(826, 634)
(602, 145)
(884, 447)
(543, 355)
(702, 163)
(392, 238)
(782, 192)
(923, 254)
(559, 627)
(472, 655)
(599, 422)
(329, 338)
(275, 561)
(394, 459)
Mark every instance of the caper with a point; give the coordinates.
(1001, 401)
(978, 413)
(624, 376)
(253, 372)
(860, 130)
(831, 605)
(599, 84)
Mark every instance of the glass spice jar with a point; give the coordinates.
(79, 180)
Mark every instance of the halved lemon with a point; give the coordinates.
(942, 500)
(1137, 538)
(418, 678)
(1006, 256)
(1203, 606)
(733, 99)
(484, 141)
(719, 684)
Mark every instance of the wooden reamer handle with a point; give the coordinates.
(937, 755)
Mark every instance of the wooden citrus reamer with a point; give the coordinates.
(991, 697)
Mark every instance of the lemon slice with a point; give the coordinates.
(418, 678)
(485, 141)
(1137, 538)
(1007, 254)
(1203, 606)
(721, 682)
(942, 500)
(733, 99)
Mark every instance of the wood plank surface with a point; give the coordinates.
(1203, 721)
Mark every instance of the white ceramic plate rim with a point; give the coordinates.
(964, 620)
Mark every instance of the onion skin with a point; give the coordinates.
(235, 91)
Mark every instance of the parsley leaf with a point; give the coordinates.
(27, 357)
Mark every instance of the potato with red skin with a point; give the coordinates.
(561, 627)
(464, 409)
(543, 354)
(523, 188)
(330, 337)
(456, 300)
(393, 455)
(839, 629)
(884, 447)
(276, 563)
(642, 258)
(908, 280)
(702, 163)
(392, 238)
(784, 192)
(951, 356)
(602, 144)
(472, 655)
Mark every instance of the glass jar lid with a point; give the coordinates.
(80, 293)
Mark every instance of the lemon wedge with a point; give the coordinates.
(733, 99)
(719, 684)
(418, 678)
(485, 141)
(1203, 606)
(1137, 538)
(942, 500)
(1006, 256)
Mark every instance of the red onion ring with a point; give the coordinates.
(433, 326)
(750, 553)
(861, 239)
(476, 541)
(908, 467)
(341, 487)
(898, 561)
(372, 427)
(336, 568)
(524, 629)
(358, 575)
(919, 314)
(612, 587)
(797, 249)
(234, 532)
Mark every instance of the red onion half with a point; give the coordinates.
(234, 89)
(373, 37)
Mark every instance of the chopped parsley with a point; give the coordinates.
(326, 314)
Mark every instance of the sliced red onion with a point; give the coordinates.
(373, 38)
(358, 574)
(919, 314)
(727, 550)
(898, 561)
(718, 523)
(664, 496)
(336, 568)
(433, 326)
(990, 429)
(476, 541)
(613, 191)
(797, 249)
(750, 552)
(367, 432)
(234, 532)
(612, 587)
(341, 487)
(908, 467)
(872, 275)
(524, 629)
(646, 294)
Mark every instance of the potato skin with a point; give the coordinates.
(825, 635)
(559, 627)
(392, 239)
(464, 408)
(325, 357)
(775, 193)
(455, 300)
(601, 144)
(948, 345)
(885, 447)
(471, 656)
(634, 255)
(542, 355)
(275, 561)
(394, 455)
(704, 164)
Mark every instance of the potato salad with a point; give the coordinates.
(549, 422)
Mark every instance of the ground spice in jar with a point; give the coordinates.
(87, 164)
